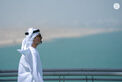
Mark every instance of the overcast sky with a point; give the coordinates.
(60, 13)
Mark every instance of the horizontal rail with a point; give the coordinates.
(12, 74)
(71, 79)
(95, 79)
(82, 74)
(8, 75)
(8, 71)
(72, 74)
(83, 70)
(71, 70)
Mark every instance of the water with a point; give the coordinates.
(95, 51)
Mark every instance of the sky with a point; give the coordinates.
(58, 18)
(60, 13)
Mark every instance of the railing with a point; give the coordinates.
(59, 75)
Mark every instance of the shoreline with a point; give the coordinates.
(12, 36)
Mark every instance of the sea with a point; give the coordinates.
(93, 51)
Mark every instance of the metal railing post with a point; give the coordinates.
(86, 79)
(92, 78)
(59, 78)
(63, 78)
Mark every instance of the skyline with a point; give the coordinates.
(12, 36)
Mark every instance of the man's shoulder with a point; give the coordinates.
(33, 50)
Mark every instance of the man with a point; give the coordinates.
(30, 68)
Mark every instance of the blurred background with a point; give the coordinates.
(76, 33)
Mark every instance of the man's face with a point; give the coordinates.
(38, 39)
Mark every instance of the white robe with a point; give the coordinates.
(30, 68)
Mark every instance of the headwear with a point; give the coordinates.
(28, 40)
